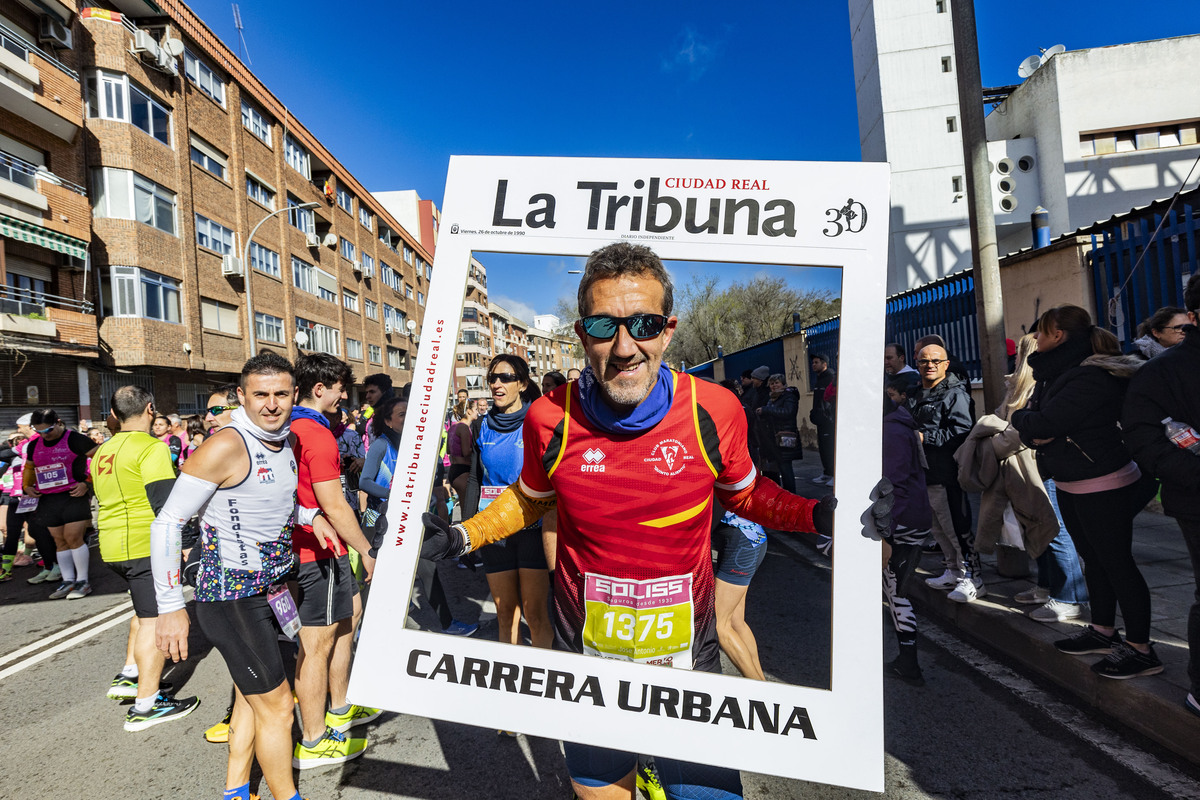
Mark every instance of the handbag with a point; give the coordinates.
(787, 440)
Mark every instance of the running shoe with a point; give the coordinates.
(647, 781)
(1056, 611)
(125, 688)
(357, 715)
(509, 734)
(47, 576)
(5, 575)
(64, 589)
(1125, 662)
(1089, 641)
(822, 480)
(165, 709)
(332, 748)
(909, 673)
(457, 628)
(122, 687)
(1032, 597)
(944, 582)
(82, 589)
(219, 733)
(1193, 705)
(22, 560)
(968, 590)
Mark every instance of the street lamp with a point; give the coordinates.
(249, 272)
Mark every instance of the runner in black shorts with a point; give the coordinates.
(56, 474)
(742, 546)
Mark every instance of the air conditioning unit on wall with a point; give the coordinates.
(52, 32)
(231, 265)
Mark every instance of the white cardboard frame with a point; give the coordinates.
(840, 220)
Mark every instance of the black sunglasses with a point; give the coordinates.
(640, 326)
(502, 377)
(214, 410)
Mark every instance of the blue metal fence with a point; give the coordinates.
(946, 308)
(1170, 258)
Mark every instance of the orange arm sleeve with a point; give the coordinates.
(512, 511)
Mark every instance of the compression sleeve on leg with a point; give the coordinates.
(768, 505)
(166, 538)
(514, 510)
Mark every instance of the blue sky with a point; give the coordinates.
(394, 89)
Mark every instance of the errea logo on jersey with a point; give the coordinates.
(592, 458)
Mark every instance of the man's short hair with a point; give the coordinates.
(380, 380)
(928, 339)
(175, 419)
(324, 369)
(229, 390)
(266, 363)
(899, 348)
(1191, 295)
(905, 383)
(620, 259)
(129, 401)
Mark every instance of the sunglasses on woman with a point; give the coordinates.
(502, 377)
(640, 326)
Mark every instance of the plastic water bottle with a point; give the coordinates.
(1183, 436)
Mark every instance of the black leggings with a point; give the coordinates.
(1101, 526)
(40, 533)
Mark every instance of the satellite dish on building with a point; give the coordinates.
(174, 47)
(1029, 66)
(411, 325)
(1053, 51)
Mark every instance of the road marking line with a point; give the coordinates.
(87, 623)
(1170, 780)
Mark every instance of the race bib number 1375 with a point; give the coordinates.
(650, 622)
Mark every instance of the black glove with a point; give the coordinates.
(443, 540)
(877, 522)
(823, 515)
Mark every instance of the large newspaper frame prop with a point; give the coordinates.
(810, 214)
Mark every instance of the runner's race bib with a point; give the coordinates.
(489, 493)
(649, 622)
(26, 504)
(51, 476)
(285, 610)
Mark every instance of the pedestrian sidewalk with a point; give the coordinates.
(1152, 706)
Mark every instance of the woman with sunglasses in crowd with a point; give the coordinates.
(56, 474)
(516, 568)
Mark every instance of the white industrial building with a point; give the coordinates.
(1090, 134)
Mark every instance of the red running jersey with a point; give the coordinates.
(634, 515)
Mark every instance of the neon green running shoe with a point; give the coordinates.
(357, 715)
(332, 748)
(647, 781)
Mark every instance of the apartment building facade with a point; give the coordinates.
(151, 180)
(475, 344)
(48, 327)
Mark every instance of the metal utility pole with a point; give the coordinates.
(989, 301)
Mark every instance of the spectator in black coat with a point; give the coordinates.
(1169, 386)
(778, 433)
(944, 414)
(821, 416)
(1073, 422)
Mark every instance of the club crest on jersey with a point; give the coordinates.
(265, 475)
(669, 457)
(592, 458)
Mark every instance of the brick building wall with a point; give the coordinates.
(215, 354)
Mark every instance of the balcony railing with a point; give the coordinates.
(20, 48)
(27, 174)
(25, 302)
